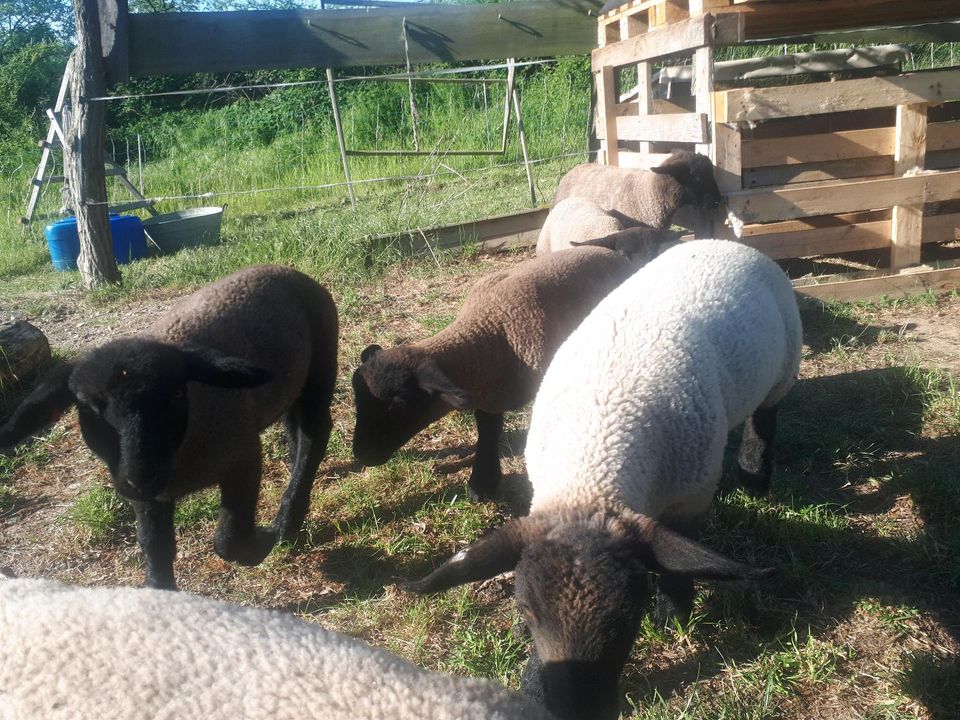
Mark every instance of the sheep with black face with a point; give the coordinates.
(682, 185)
(489, 360)
(624, 454)
(181, 406)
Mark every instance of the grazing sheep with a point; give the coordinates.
(575, 222)
(624, 454)
(575, 219)
(490, 359)
(181, 406)
(123, 653)
(648, 197)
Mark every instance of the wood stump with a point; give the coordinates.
(23, 350)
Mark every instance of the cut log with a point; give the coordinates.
(23, 350)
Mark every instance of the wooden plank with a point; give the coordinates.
(899, 285)
(843, 196)
(180, 43)
(937, 32)
(909, 156)
(114, 40)
(644, 105)
(702, 91)
(726, 157)
(771, 20)
(493, 233)
(641, 160)
(663, 42)
(822, 241)
(681, 127)
(941, 228)
(817, 172)
(754, 104)
(821, 147)
(606, 98)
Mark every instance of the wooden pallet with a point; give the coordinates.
(776, 18)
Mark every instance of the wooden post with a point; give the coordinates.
(607, 102)
(83, 151)
(340, 141)
(523, 149)
(727, 160)
(906, 223)
(703, 88)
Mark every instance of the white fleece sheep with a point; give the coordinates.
(663, 368)
(122, 653)
(575, 219)
(624, 454)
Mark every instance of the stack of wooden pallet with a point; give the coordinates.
(816, 168)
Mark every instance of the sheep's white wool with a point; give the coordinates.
(635, 408)
(123, 653)
(574, 220)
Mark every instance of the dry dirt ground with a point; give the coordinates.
(862, 622)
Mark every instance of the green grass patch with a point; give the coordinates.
(102, 514)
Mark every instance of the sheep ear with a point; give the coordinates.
(434, 380)
(368, 352)
(677, 165)
(495, 553)
(211, 367)
(42, 407)
(672, 552)
(607, 242)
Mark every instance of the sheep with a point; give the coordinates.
(575, 222)
(181, 406)
(125, 653)
(649, 197)
(489, 360)
(624, 454)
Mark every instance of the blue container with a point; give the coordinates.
(129, 242)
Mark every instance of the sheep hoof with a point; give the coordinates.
(481, 495)
(250, 550)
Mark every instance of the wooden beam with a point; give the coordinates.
(674, 39)
(822, 241)
(84, 151)
(606, 99)
(909, 156)
(901, 284)
(818, 172)
(702, 91)
(938, 32)
(677, 128)
(180, 43)
(754, 104)
(115, 40)
(771, 20)
(762, 206)
(520, 228)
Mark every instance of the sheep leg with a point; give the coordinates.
(309, 433)
(157, 541)
(531, 683)
(238, 539)
(755, 458)
(485, 475)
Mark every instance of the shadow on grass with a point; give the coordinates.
(864, 505)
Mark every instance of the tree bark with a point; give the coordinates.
(83, 154)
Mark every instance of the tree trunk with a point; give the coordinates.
(83, 154)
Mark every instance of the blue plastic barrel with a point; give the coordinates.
(129, 242)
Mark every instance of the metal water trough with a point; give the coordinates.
(184, 229)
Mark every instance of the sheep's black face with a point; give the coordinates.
(392, 407)
(132, 401)
(582, 591)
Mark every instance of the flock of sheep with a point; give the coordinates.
(640, 355)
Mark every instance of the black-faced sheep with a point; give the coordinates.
(127, 654)
(490, 359)
(181, 406)
(649, 197)
(624, 454)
